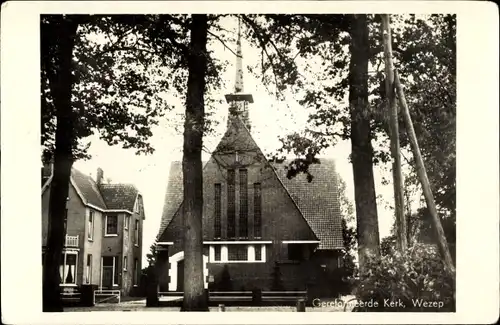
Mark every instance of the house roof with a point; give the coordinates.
(119, 196)
(173, 196)
(103, 196)
(88, 188)
(317, 200)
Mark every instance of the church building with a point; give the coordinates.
(261, 230)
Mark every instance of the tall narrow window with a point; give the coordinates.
(218, 212)
(127, 221)
(217, 253)
(257, 210)
(108, 273)
(258, 252)
(231, 193)
(91, 225)
(67, 269)
(136, 271)
(89, 269)
(136, 233)
(243, 229)
(125, 263)
(111, 225)
(116, 271)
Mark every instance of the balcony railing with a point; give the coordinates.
(71, 241)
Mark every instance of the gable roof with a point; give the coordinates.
(173, 196)
(119, 196)
(88, 188)
(104, 197)
(317, 201)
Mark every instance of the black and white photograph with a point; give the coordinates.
(247, 161)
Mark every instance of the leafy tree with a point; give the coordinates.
(151, 256)
(348, 231)
(77, 95)
(349, 49)
(194, 295)
(118, 86)
(58, 39)
(427, 55)
(342, 45)
(119, 69)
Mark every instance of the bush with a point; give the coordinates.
(413, 283)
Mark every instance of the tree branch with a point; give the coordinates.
(223, 43)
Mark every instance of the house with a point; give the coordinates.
(261, 230)
(103, 232)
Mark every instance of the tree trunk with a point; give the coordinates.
(362, 150)
(424, 180)
(64, 34)
(194, 295)
(397, 175)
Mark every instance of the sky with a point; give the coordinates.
(270, 119)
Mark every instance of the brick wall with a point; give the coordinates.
(94, 247)
(75, 224)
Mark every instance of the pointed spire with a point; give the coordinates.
(238, 101)
(238, 81)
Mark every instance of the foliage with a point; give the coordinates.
(125, 67)
(421, 231)
(151, 256)
(349, 268)
(418, 277)
(388, 245)
(113, 90)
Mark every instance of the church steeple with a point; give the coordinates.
(238, 101)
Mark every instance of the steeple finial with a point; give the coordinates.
(238, 101)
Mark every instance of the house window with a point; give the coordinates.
(127, 221)
(218, 212)
(258, 253)
(91, 225)
(125, 263)
(111, 225)
(243, 203)
(116, 270)
(257, 210)
(136, 271)
(136, 205)
(231, 193)
(136, 233)
(217, 253)
(67, 271)
(237, 252)
(110, 271)
(88, 269)
(295, 252)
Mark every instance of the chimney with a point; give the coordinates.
(99, 176)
